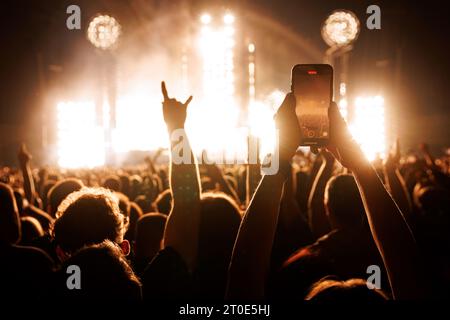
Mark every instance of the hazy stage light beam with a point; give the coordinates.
(216, 111)
(80, 141)
(368, 126)
(205, 18)
(140, 124)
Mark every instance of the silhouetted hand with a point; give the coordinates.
(393, 158)
(157, 154)
(174, 112)
(288, 128)
(424, 148)
(341, 143)
(24, 155)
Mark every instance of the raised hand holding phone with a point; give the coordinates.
(312, 86)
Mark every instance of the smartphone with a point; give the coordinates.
(312, 85)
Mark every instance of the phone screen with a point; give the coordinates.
(312, 87)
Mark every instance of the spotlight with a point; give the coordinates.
(368, 126)
(228, 18)
(340, 28)
(205, 18)
(103, 31)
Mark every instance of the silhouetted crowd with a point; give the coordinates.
(328, 226)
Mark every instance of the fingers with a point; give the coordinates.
(188, 101)
(164, 90)
(287, 108)
(23, 149)
(338, 126)
(166, 95)
(334, 113)
(288, 102)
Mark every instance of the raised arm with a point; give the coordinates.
(425, 149)
(150, 161)
(396, 183)
(316, 208)
(389, 229)
(182, 226)
(251, 255)
(315, 168)
(289, 204)
(28, 182)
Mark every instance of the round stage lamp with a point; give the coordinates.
(205, 18)
(340, 29)
(103, 31)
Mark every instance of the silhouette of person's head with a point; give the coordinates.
(144, 203)
(125, 184)
(149, 234)
(31, 230)
(105, 274)
(164, 202)
(343, 202)
(219, 223)
(353, 290)
(9, 216)
(433, 201)
(135, 186)
(113, 183)
(59, 192)
(88, 216)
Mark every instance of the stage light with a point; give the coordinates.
(228, 18)
(139, 126)
(342, 89)
(103, 31)
(216, 44)
(275, 98)
(368, 126)
(80, 141)
(205, 18)
(262, 125)
(343, 108)
(340, 28)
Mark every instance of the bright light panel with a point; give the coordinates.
(80, 140)
(205, 18)
(368, 126)
(228, 18)
(140, 124)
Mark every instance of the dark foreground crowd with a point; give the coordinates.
(328, 226)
